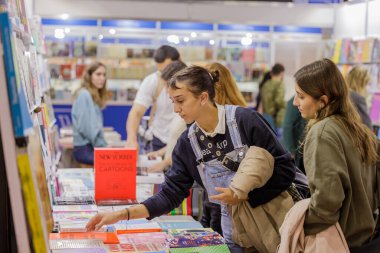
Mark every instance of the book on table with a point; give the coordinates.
(115, 176)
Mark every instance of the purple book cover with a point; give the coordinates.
(375, 108)
(194, 240)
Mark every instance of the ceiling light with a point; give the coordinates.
(212, 42)
(193, 34)
(64, 16)
(186, 39)
(173, 39)
(67, 30)
(59, 33)
(245, 41)
(112, 31)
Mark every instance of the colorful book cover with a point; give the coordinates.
(337, 50)
(57, 244)
(359, 51)
(375, 109)
(106, 237)
(87, 250)
(248, 55)
(73, 216)
(137, 226)
(115, 173)
(77, 226)
(17, 98)
(376, 51)
(113, 248)
(35, 154)
(31, 204)
(199, 239)
(172, 218)
(154, 237)
(345, 50)
(187, 231)
(75, 208)
(367, 50)
(208, 249)
(65, 71)
(79, 70)
(180, 225)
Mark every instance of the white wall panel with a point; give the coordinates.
(254, 13)
(374, 18)
(350, 21)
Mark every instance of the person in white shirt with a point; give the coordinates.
(151, 93)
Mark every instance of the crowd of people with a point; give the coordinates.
(249, 159)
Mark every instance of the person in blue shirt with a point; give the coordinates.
(87, 116)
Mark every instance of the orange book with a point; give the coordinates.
(106, 237)
(137, 231)
(115, 174)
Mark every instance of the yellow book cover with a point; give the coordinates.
(367, 50)
(337, 50)
(38, 167)
(31, 204)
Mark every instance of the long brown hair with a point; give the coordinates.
(99, 96)
(226, 90)
(324, 78)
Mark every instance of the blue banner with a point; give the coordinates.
(129, 23)
(70, 22)
(248, 28)
(165, 25)
(297, 29)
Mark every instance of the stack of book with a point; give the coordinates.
(196, 240)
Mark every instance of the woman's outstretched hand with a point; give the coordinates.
(107, 218)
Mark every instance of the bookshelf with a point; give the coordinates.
(347, 53)
(12, 177)
(127, 46)
(28, 131)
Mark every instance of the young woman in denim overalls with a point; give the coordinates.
(209, 153)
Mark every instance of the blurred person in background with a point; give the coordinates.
(294, 132)
(152, 93)
(87, 116)
(357, 80)
(272, 97)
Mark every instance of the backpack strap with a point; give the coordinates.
(194, 143)
(233, 126)
(160, 86)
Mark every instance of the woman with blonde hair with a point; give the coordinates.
(357, 80)
(226, 90)
(339, 156)
(86, 114)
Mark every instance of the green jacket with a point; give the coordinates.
(272, 99)
(294, 128)
(342, 187)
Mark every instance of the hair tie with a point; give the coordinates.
(212, 79)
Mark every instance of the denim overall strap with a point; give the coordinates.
(194, 142)
(232, 126)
